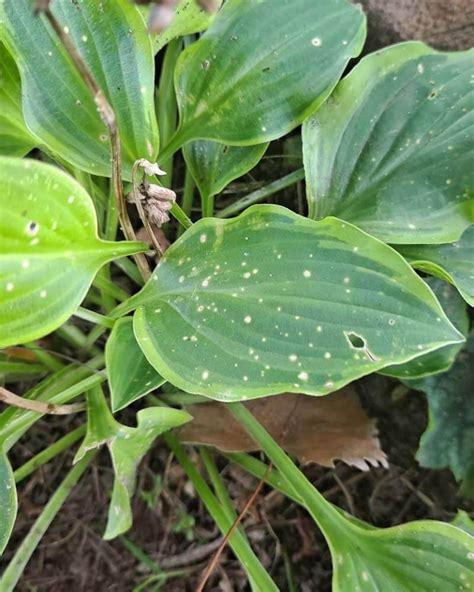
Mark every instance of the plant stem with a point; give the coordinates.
(15, 568)
(218, 484)
(10, 398)
(167, 109)
(207, 206)
(129, 269)
(44, 357)
(94, 317)
(324, 513)
(260, 579)
(261, 194)
(49, 453)
(105, 285)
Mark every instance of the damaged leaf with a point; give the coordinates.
(272, 302)
(127, 447)
(318, 430)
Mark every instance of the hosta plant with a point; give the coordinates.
(266, 302)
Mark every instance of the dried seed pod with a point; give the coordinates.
(150, 168)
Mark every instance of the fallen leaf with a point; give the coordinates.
(314, 429)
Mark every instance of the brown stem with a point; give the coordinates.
(15, 401)
(107, 115)
(214, 561)
(141, 211)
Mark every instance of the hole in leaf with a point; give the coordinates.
(433, 94)
(355, 340)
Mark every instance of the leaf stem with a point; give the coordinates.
(94, 317)
(328, 518)
(239, 544)
(10, 398)
(15, 568)
(49, 453)
(262, 193)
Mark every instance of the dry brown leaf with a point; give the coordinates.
(314, 429)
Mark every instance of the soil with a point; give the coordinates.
(170, 523)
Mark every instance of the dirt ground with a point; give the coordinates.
(170, 524)
(174, 530)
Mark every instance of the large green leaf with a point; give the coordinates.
(247, 81)
(127, 447)
(189, 18)
(271, 302)
(49, 249)
(57, 105)
(453, 262)
(130, 375)
(15, 140)
(391, 151)
(441, 359)
(8, 500)
(213, 165)
(449, 439)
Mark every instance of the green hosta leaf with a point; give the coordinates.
(464, 521)
(441, 359)
(271, 302)
(453, 262)
(213, 165)
(8, 500)
(57, 105)
(245, 82)
(449, 439)
(189, 18)
(49, 248)
(127, 447)
(130, 374)
(391, 151)
(15, 140)
(417, 556)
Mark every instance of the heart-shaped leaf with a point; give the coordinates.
(15, 139)
(127, 447)
(449, 439)
(245, 82)
(452, 262)
(189, 18)
(129, 372)
(391, 151)
(441, 359)
(213, 165)
(8, 500)
(49, 249)
(58, 107)
(272, 302)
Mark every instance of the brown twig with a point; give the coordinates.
(141, 212)
(107, 115)
(15, 401)
(214, 561)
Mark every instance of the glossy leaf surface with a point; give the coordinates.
(15, 139)
(272, 302)
(443, 358)
(453, 262)
(245, 82)
(49, 248)
(213, 165)
(416, 556)
(112, 39)
(8, 500)
(391, 151)
(449, 439)
(130, 374)
(127, 447)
